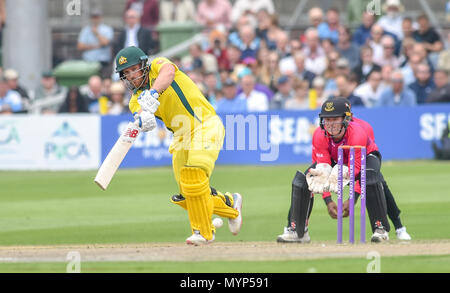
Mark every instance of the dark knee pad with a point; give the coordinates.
(376, 206)
(301, 203)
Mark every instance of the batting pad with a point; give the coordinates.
(195, 188)
(220, 207)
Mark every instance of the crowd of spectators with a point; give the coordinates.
(248, 62)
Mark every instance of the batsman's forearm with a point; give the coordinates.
(164, 79)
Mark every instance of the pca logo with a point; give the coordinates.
(65, 143)
(8, 134)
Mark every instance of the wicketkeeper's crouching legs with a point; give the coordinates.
(302, 201)
(375, 198)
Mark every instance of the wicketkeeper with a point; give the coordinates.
(161, 90)
(336, 129)
(392, 208)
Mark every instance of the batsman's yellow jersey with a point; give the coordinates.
(181, 99)
(198, 131)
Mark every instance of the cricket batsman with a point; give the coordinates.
(161, 90)
(336, 129)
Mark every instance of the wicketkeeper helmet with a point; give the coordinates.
(336, 107)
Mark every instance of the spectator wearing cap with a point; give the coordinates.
(95, 42)
(135, 35)
(284, 93)
(424, 84)
(49, 95)
(12, 79)
(301, 72)
(398, 94)
(118, 103)
(300, 100)
(366, 66)
(256, 100)
(214, 14)
(230, 102)
(371, 89)
(177, 10)
(10, 100)
(242, 7)
(441, 94)
(392, 20)
(75, 102)
(148, 11)
(315, 60)
(329, 29)
(345, 47)
(362, 32)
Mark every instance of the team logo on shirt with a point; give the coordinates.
(122, 60)
(329, 106)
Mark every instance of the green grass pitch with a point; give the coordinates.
(49, 208)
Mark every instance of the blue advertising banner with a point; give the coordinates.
(284, 137)
(149, 149)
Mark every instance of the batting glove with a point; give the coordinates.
(332, 184)
(146, 121)
(148, 100)
(317, 177)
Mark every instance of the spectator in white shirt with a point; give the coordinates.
(392, 20)
(370, 90)
(241, 7)
(316, 60)
(256, 101)
(388, 56)
(376, 33)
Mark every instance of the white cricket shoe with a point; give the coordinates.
(290, 235)
(402, 234)
(380, 235)
(235, 224)
(197, 239)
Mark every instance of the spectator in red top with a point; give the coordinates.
(217, 43)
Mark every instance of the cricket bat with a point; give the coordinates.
(116, 155)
